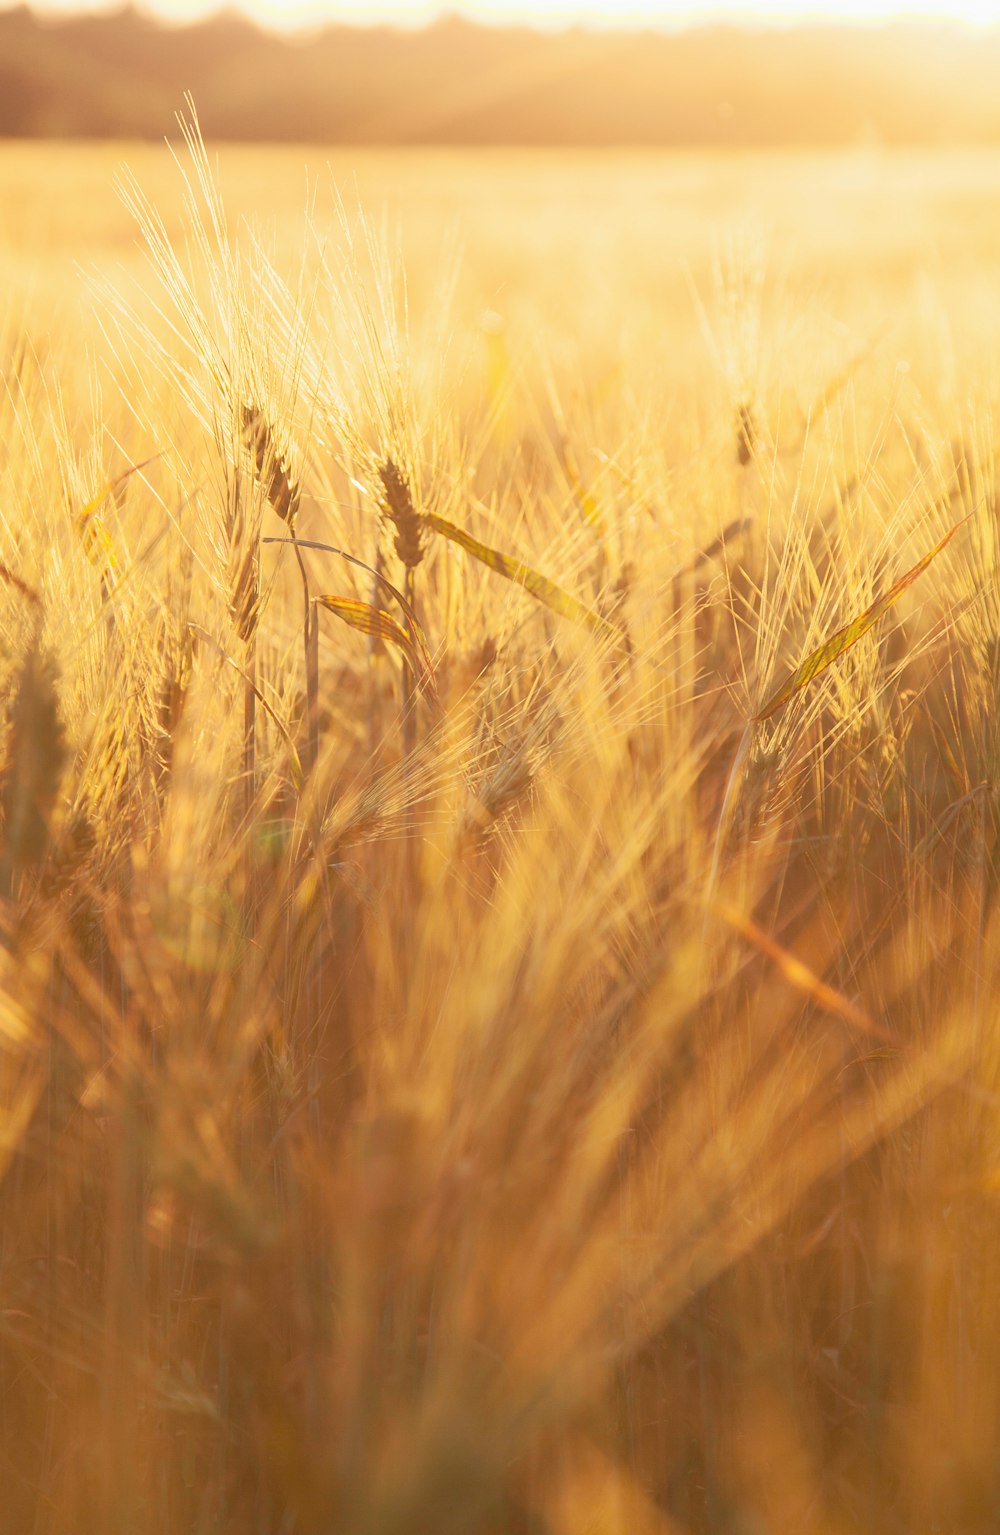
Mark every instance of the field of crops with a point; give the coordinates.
(499, 937)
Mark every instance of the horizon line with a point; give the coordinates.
(697, 21)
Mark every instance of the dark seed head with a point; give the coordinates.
(270, 464)
(398, 504)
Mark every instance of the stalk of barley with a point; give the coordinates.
(271, 464)
(397, 503)
(243, 586)
(273, 474)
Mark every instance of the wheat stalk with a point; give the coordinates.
(284, 494)
(397, 504)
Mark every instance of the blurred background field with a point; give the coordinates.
(586, 261)
(514, 1091)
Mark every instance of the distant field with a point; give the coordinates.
(588, 250)
(499, 1012)
(605, 273)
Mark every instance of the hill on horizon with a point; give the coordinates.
(456, 83)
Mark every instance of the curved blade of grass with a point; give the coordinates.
(833, 648)
(406, 609)
(97, 541)
(375, 621)
(801, 976)
(540, 587)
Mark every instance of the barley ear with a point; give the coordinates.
(397, 503)
(270, 464)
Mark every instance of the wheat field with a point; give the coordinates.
(499, 956)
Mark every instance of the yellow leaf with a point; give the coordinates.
(411, 618)
(375, 621)
(833, 648)
(540, 587)
(801, 977)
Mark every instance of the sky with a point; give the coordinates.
(292, 13)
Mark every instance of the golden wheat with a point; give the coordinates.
(582, 1108)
